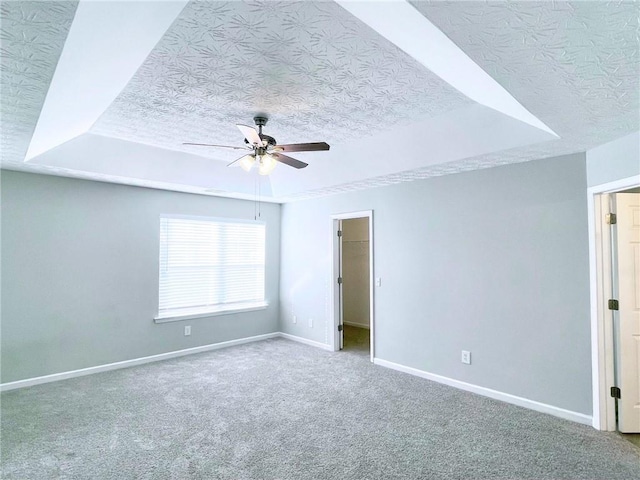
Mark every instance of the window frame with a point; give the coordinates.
(219, 309)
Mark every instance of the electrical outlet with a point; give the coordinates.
(187, 330)
(295, 319)
(466, 357)
(311, 323)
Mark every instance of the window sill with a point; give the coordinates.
(211, 313)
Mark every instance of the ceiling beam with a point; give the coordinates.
(107, 43)
(399, 22)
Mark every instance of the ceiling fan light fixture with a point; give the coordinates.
(247, 162)
(266, 164)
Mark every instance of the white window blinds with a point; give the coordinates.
(210, 265)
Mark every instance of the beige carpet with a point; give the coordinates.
(632, 437)
(356, 339)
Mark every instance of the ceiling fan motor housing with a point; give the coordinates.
(270, 141)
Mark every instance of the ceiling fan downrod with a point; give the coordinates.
(270, 141)
(260, 122)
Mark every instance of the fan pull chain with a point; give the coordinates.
(257, 204)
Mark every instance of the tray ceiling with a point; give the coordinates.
(575, 65)
(322, 74)
(317, 71)
(32, 39)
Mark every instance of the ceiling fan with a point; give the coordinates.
(266, 153)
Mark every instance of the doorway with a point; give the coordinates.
(352, 279)
(615, 297)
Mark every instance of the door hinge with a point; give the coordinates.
(612, 218)
(340, 328)
(339, 233)
(614, 304)
(339, 280)
(615, 392)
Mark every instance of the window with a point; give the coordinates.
(210, 266)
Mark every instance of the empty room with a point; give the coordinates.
(319, 240)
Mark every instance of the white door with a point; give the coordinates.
(628, 252)
(340, 289)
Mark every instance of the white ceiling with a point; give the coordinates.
(557, 78)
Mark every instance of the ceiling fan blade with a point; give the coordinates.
(250, 134)
(236, 162)
(302, 147)
(292, 162)
(212, 145)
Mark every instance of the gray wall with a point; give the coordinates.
(492, 261)
(614, 160)
(80, 274)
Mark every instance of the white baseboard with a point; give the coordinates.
(487, 392)
(359, 325)
(306, 341)
(131, 363)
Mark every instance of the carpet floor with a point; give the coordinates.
(282, 410)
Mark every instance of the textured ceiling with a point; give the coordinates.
(574, 65)
(317, 71)
(323, 75)
(32, 35)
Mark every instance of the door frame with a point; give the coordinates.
(602, 355)
(335, 270)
